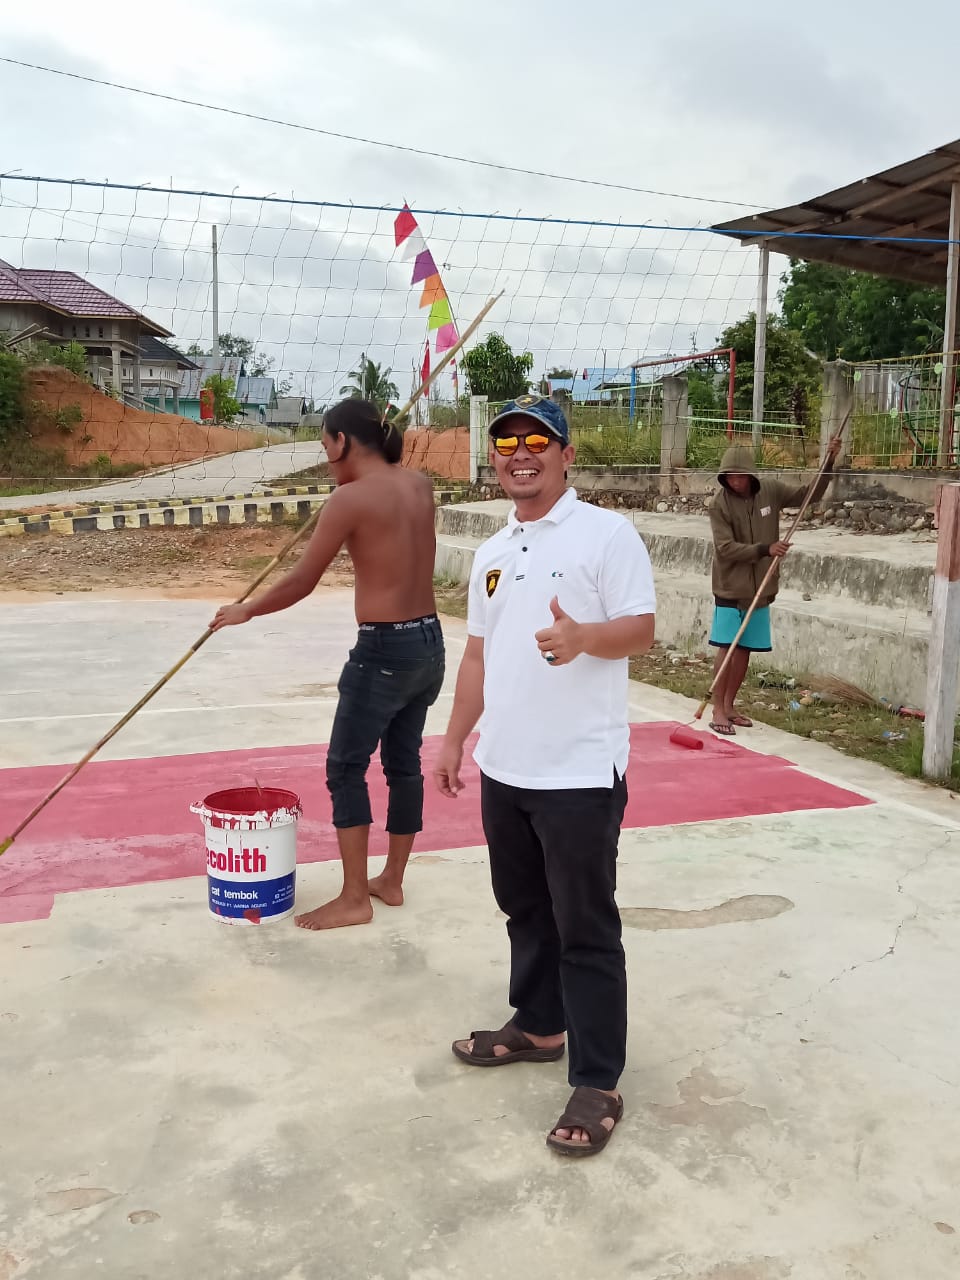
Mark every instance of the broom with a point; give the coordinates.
(682, 736)
(841, 690)
(281, 554)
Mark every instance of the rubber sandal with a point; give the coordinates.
(586, 1109)
(520, 1048)
(725, 730)
(742, 722)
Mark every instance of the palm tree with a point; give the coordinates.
(371, 382)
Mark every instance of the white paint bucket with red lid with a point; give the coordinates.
(251, 851)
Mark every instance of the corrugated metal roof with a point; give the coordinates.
(249, 391)
(67, 293)
(256, 391)
(892, 210)
(191, 380)
(589, 388)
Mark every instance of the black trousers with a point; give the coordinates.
(553, 862)
(392, 678)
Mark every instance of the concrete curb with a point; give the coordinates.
(236, 509)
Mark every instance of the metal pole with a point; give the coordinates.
(633, 394)
(731, 388)
(760, 346)
(215, 352)
(948, 379)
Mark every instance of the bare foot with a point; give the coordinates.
(336, 914)
(581, 1135)
(386, 890)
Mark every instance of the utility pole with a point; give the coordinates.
(216, 305)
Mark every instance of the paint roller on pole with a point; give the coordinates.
(264, 573)
(683, 735)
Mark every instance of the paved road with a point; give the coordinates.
(231, 473)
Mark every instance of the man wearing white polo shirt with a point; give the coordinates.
(558, 601)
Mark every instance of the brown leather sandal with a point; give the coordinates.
(521, 1049)
(586, 1109)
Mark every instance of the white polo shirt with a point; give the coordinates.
(545, 727)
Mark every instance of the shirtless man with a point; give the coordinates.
(384, 515)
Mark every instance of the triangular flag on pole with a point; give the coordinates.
(423, 267)
(432, 290)
(447, 336)
(413, 246)
(404, 223)
(440, 314)
(425, 367)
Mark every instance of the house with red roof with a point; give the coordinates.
(61, 307)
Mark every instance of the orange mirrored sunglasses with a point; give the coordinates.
(507, 446)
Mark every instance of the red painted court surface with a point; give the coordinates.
(128, 822)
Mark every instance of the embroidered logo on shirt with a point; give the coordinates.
(557, 573)
(493, 577)
(764, 511)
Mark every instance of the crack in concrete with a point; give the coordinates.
(860, 964)
(904, 921)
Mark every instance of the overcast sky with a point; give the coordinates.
(681, 98)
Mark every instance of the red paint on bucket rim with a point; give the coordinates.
(244, 802)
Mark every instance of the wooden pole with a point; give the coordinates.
(284, 550)
(943, 663)
(808, 496)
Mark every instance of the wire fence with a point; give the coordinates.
(897, 412)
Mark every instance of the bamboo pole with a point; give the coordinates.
(261, 576)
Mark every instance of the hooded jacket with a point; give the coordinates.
(744, 529)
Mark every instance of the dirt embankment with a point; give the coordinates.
(442, 453)
(107, 426)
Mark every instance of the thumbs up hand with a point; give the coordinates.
(561, 641)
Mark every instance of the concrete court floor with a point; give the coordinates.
(186, 1101)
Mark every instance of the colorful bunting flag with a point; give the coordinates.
(413, 248)
(440, 314)
(424, 267)
(446, 337)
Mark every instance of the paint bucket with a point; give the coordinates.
(251, 850)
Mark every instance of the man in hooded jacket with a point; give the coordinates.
(745, 521)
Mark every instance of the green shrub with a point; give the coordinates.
(72, 356)
(12, 396)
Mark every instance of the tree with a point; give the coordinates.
(371, 382)
(253, 363)
(12, 395)
(850, 315)
(562, 375)
(225, 405)
(72, 356)
(792, 373)
(494, 371)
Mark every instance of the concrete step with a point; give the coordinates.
(878, 647)
(894, 571)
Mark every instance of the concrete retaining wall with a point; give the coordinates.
(866, 619)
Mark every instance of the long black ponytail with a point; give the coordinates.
(362, 421)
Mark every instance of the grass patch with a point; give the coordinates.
(614, 444)
(320, 474)
(27, 469)
(855, 730)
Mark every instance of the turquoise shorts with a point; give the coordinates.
(726, 624)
